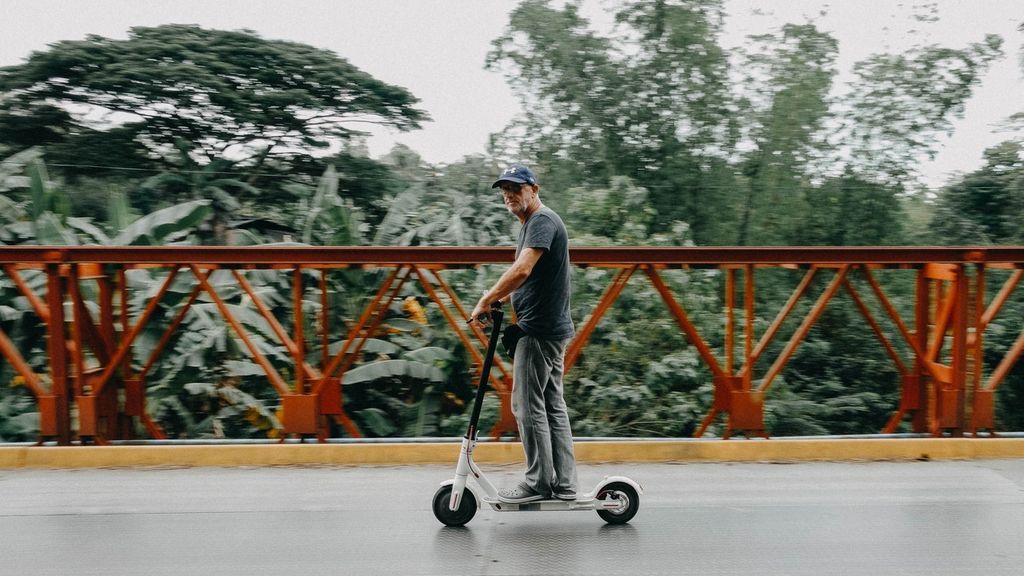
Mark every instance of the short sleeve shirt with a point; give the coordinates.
(542, 302)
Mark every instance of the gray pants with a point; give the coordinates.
(540, 411)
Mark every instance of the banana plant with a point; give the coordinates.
(206, 385)
(326, 218)
(12, 168)
(209, 182)
(44, 217)
(447, 217)
(400, 396)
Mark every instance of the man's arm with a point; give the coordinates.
(512, 278)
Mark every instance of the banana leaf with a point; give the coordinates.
(376, 421)
(50, 232)
(85, 226)
(155, 228)
(431, 355)
(372, 346)
(390, 369)
(242, 368)
(117, 211)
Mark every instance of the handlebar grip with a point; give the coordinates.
(495, 307)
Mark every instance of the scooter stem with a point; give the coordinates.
(466, 464)
(492, 345)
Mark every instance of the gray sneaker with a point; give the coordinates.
(521, 494)
(565, 494)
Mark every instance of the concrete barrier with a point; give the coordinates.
(775, 450)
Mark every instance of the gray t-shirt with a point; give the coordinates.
(542, 302)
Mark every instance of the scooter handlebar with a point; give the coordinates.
(495, 307)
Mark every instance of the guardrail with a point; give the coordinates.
(82, 295)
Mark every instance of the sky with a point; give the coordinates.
(436, 49)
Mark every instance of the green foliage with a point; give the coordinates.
(787, 131)
(637, 376)
(651, 108)
(405, 389)
(743, 162)
(328, 219)
(19, 416)
(839, 381)
(454, 207)
(165, 225)
(985, 206)
(363, 182)
(650, 135)
(621, 213)
(902, 103)
(392, 369)
(549, 53)
(850, 211)
(999, 337)
(222, 91)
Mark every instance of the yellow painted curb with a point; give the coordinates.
(802, 450)
(510, 452)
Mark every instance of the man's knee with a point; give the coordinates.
(517, 410)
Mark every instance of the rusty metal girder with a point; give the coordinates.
(942, 386)
(263, 256)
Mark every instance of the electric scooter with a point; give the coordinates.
(615, 498)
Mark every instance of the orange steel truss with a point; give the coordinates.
(92, 380)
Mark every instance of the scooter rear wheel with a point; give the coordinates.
(624, 493)
(448, 517)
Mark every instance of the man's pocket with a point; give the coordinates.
(510, 337)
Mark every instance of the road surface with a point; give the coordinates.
(873, 519)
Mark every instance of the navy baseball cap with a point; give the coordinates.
(516, 173)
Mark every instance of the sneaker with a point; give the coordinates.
(565, 494)
(521, 494)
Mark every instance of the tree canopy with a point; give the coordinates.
(652, 133)
(225, 92)
(737, 144)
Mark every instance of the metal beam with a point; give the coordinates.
(932, 391)
(468, 256)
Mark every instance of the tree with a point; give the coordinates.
(902, 103)
(786, 128)
(194, 181)
(851, 211)
(680, 76)
(452, 205)
(652, 105)
(569, 85)
(230, 94)
(680, 113)
(987, 205)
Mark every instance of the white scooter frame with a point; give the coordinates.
(615, 498)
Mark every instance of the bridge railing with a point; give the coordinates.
(94, 386)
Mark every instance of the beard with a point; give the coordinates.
(516, 208)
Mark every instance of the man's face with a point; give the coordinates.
(517, 196)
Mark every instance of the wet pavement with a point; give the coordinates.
(907, 518)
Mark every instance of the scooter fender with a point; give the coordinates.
(609, 479)
(476, 493)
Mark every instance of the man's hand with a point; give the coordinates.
(481, 314)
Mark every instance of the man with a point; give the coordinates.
(538, 284)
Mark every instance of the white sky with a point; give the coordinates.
(436, 49)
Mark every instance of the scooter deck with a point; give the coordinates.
(543, 505)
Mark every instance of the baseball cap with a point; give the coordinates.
(516, 173)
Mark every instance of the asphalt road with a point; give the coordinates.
(887, 518)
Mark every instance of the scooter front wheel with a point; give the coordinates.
(627, 497)
(449, 517)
